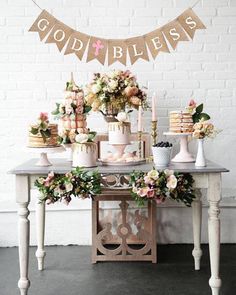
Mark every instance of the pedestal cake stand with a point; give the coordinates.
(43, 151)
(184, 156)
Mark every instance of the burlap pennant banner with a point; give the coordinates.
(59, 35)
(97, 49)
(43, 24)
(190, 22)
(76, 42)
(117, 51)
(137, 49)
(174, 33)
(156, 43)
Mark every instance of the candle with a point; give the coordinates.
(154, 114)
(140, 118)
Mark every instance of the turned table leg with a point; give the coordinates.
(40, 225)
(214, 197)
(197, 223)
(23, 199)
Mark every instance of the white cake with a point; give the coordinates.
(84, 154)
(119, 132)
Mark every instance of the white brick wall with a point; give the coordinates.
(33, 74)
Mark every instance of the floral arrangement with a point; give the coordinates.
(204, 129)
(85, 137)
(114, 91)
(42, 127)
(72, 113)
(73, 104)
(160, 185)
(77, 183)
(197, 112)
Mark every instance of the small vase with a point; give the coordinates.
(200, 160)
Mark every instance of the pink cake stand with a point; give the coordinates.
(43, 152)
(184, 156)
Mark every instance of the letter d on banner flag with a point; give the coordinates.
(190, 22)
(117, 51)
(77, 44)
(43, 24)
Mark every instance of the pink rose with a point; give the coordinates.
(131, 91)
(192, 104)
(142, 192)
(48, 179)
(43, 116)
(151, 193)
(79, 110)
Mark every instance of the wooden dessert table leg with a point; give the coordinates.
(197, 223)
(214, 197)
(40, 224)
(23, 199)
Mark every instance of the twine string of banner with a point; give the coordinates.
(42, 8)
(75, 42)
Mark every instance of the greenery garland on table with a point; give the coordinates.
(160, 185)
(153, 185)
(76, 183)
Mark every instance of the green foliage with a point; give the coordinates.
(76, 183)
(199, 115)
(155, 185)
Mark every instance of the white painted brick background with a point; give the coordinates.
(33, 74)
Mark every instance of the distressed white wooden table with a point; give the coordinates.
(207, 177)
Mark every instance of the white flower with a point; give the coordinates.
(81, 138)
(96, 88)
(67, 94)
(122, 117)
(168, 172)
(61, 108)
(171, 182)
(153, 174)
(69, 187)
(69, 110)
(112, 84)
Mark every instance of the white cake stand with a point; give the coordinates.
(43, 151)
(184, 156)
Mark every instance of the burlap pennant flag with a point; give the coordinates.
(97, 49)
(156, 42)
(190, 22)
(77, 44)
(43, 24)
(59, 35)
(117, 51)
(137, 49)
(174, 33)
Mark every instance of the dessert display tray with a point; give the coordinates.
(131, 163)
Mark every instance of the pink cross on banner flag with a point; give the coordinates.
(97, 49)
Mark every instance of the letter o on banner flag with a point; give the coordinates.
(117, 51)
(59, 35)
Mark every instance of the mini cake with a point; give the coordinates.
(181, 122)
(84, 154)
(119, 133)
(43, 134)
(37, 140)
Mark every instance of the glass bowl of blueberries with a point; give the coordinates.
(162, 153)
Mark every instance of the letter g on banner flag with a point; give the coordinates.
(43, 24)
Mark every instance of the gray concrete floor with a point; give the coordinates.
(68, 271)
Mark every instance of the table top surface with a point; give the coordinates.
(62, 166)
